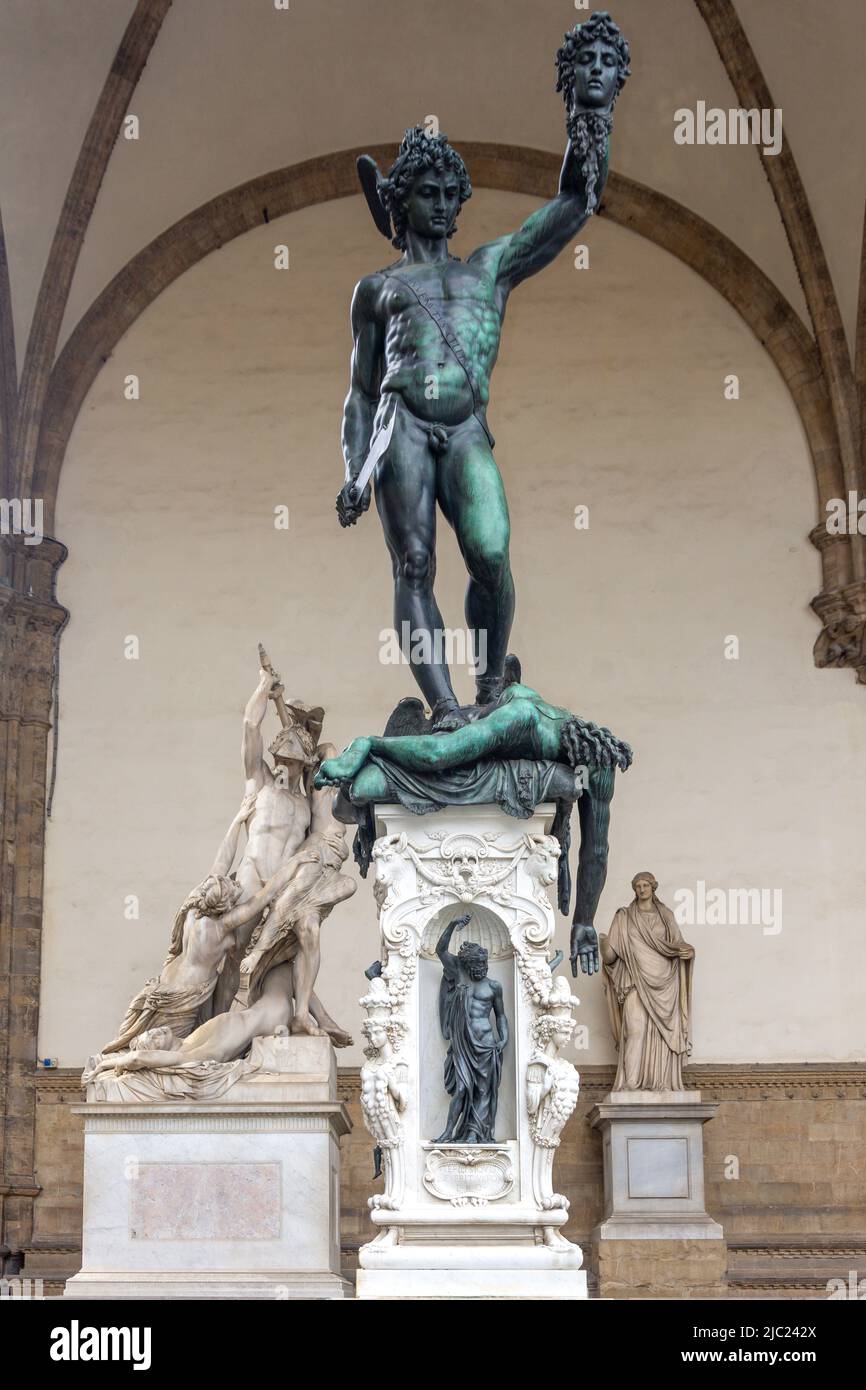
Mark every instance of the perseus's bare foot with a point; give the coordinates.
(303, 1024)
(343, 768)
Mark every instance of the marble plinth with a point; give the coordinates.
(654, 1166)
(478, 1282)
(233, 1198)
(475, 1252)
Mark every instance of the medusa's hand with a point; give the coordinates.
(584, 948)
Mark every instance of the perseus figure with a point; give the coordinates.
(473, 1063)
(426, 335)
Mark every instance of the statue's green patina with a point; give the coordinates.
(426, 336)
(517, 754)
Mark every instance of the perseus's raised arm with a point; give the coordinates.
(549, 229)
(592, 66)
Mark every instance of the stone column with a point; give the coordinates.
(30, 620)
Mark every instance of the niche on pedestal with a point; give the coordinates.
(486, 929)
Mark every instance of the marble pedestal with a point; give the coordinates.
(465, 1221)
(656, 1236)
(230, 1198)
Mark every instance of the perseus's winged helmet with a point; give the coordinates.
(373, 183)
(419, 150)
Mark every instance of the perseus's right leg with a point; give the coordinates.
(406, 502)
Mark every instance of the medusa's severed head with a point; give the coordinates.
(593, 64)
(591, 70)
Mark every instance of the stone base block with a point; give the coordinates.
(660, 1268)
(481, 1252)
(659, 1226)
(652, 1145)
(656, 1239)
(471, 1283)
(276, 1287)
(231, 1198)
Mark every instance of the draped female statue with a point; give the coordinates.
(648, 978)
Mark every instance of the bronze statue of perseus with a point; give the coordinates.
(426, 335)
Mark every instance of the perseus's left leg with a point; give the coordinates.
(472, 498)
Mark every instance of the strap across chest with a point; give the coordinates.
(453, 342)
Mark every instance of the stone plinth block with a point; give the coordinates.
(667, 1268)
(652, 1143)
(467, 1220)
(234, 1198)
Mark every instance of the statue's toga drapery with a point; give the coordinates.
(648, 961)
(472, 1068)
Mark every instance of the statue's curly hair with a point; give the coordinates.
(598, 26)
(587, 745)
(542, 1027)
(215, 895)
(419, 152)
(395, 1031)
(471, 953)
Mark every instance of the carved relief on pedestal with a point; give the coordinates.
(552, 1087)
(498, 877)
(393, 870)
(384, 1088)
(462, 1175)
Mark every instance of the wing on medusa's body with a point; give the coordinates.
(407, 719)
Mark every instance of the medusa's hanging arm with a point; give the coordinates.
(594, 811)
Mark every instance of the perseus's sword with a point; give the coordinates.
(377, 448)
(279, 700)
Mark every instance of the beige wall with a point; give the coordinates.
(234, 88)
(609, 393)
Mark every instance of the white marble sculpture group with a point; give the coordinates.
(227, 1027)
(244, 950)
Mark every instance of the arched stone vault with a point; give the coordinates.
(37, 416)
